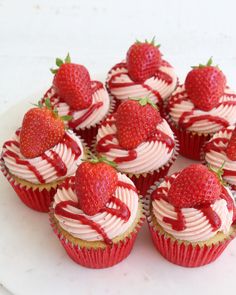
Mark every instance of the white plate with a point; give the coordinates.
(32, 261)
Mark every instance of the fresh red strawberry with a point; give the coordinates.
(143, 60)
(95, 182)
(72, 83)
(136, 120)
(205, 85)
(196, 185)
(41, 130)
(231, 148)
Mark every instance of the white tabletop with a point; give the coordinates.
(98, 34)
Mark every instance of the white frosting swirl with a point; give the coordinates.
(217, 157)
(123, 87)
(198, 227)
(99, 95)
(151, 155)
(113, 226)
(18, 165)
(179, 103)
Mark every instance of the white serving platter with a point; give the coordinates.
(32, 261)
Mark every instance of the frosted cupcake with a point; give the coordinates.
(192, 216)
(73, 93)
(143, 74)
(97, 215)
(220, 153)
(39, 157)
(200, 108)
(139, 141)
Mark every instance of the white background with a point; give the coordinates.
(98, 34)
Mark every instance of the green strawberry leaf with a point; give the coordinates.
(219, 173)
(48, 103)
(144, 100)
(53, 71)
(97, 159)
(68, 59)
(66, 118)
(59, 62)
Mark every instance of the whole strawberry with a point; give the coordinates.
(95, 182)
(205, 85)
(143, 59)
(195, 186)
(231, 148)
(136, 120)
(41, 130)
(72, 83)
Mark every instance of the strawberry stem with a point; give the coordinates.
(60, 62)
(94, 160)
(152, 42)
(208, 64)
(144, 101)
(219, 173)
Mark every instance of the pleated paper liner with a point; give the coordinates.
(97, 255)
(181, 252)
(203, 161)
(187, 254)
(36, 197)
(190, 143)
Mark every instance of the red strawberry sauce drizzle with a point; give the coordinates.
(213, 145)
(56, 163)
(160, 75)
(122, 211)
(75, 123)
(60, 210)
(182, 96)
(96, 85)
(25, 163)
(54, 159)
(179, 224)
(102, 147)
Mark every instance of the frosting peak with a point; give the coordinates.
(192, 224)
(148, 156)
(114, 220)
(57, 163)
(184, 114)
(156, 88)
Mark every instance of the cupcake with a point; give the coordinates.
(220, 153)
(192, 216)
(143, 74)
(200, 108)
(97, 215)
(39, 157)
(73, 93)
(139, 141)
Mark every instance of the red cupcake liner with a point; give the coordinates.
(187, 255)
(98, 257)
(181, 252)
(36, 199)
(190, 144)
(88, 134)
(143, 183)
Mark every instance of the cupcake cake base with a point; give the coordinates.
(36, 197)
(188, 254)
(98, 254)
